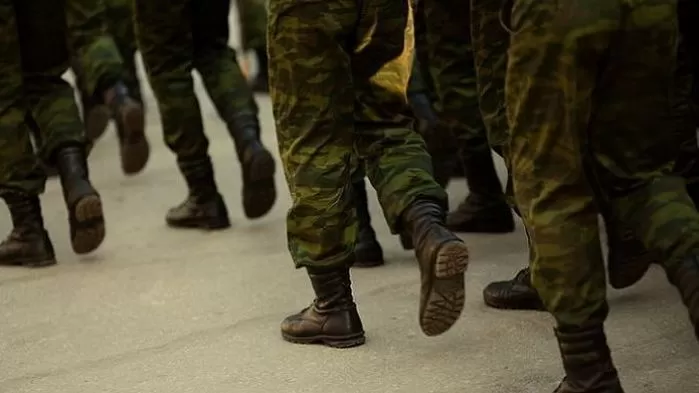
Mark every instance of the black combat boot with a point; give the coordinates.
(684, 275)
(443, 259)
(204, 207)
(84, 205)
(259, 191)
(367, 250)
(515, 294)
(130, 119)
(485, 209)
(587, 361)
(628, 259)
(332, 319)
(28, 244)
(261, 82)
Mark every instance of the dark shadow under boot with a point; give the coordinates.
(204, 207)
(130, 119)
(443, 259)
(332, 319)
(587, 361)
(515, 294)
(367, 250)
(86, 217)
(28, 244)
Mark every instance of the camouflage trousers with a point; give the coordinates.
(33, 96)
(587, 91)
(253, 23)
(490, 44)
(97, 61)
(176, 37)
(450, 61)
(338, 89)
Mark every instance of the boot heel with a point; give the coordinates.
(87, 224)
(216, 223)
(259, 191)
(135, 150)
(348, 342)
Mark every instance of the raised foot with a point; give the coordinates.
(446, 299)
(87, 224)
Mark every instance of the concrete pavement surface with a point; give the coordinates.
(157, 310)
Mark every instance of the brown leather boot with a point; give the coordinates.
(443, 259)
(204, 207)
(130, 120)
(515, 294)
(367, 250)
(485, 209)
(259, 190)
(28, 244)
(684, 275)
(587, 361)
(84, 205)
(332, 319)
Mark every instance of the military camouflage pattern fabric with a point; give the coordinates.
(121, 28)
(96, 57)
(490, 43)
(339, 71)
(33, 95)
(176, 37)
(253, 23)
(450, 60)
(589, 81)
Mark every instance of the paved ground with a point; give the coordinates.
(157, 310)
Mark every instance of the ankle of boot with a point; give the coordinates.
(25, 210)
(586, 356)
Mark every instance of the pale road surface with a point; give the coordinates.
(157, 310)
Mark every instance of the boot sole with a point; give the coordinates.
(333, 342)
(96, 122)
(368, 264)
(135, 150)
(528, 305)
(32, 263)
(212, 225)
(259, 191)
(447, 294)
(88, 230)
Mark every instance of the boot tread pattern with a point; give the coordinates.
(446, 299)
(88, 224)
(330, 341)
